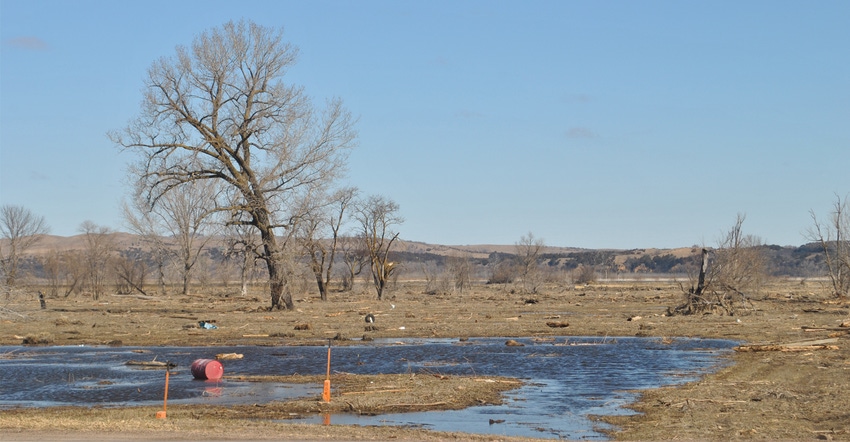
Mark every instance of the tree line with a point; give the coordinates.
(166, 264)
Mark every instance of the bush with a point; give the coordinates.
(584, 274)
(502, 273)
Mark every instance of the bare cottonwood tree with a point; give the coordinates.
(319, 234)
(179, 223)
(833, 236)
(527, 253)
(97, 253)
(64, 271)
(460, 269)
(355, 258)
(220, 112)
(452, 276)
(241, 246)
(377, 217)
(141, 221)
(130, 273)
(21, 229)
(437, 279)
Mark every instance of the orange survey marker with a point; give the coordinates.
(161, 414)
(326, 393)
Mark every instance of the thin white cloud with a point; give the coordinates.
(440, 61)
(27, 43)
(468, 114)
(577, 98)
(581, 132)
(38, 176)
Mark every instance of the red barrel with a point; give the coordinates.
(207, 369)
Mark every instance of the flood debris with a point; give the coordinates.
(42, 338)
(153, 364)
(229, 356)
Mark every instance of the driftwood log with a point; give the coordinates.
(151, 364)
(821, 344)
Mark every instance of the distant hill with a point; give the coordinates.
(802, 261)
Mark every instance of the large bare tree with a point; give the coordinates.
(221, 111)
(378, 217)
(21, 229)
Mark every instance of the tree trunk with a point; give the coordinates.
(281, 298)
(186, 270)
(243, 276)
(380, 278)
(702, 270)
(277, 271)
(317, 266)
(323, 291)
(161, 279)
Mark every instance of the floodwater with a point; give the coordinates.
(567, 379)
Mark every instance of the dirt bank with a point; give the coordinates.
(762, 395)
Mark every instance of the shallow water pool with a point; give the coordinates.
(567, 378)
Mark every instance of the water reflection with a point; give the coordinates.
(568, 379)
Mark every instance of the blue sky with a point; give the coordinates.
(598, 124)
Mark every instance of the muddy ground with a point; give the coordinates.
(768, 394)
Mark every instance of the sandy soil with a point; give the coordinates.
(771, 394)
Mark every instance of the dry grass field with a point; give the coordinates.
(774, 392)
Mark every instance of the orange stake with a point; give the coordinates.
(326, 393)
(161, 414)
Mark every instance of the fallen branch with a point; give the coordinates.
(821, 344)
(814, 329)
(4, 311)
(711, 401)
(746, 348)
(151, 364)
(432, 404)
(501, 381)
(815, 342)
